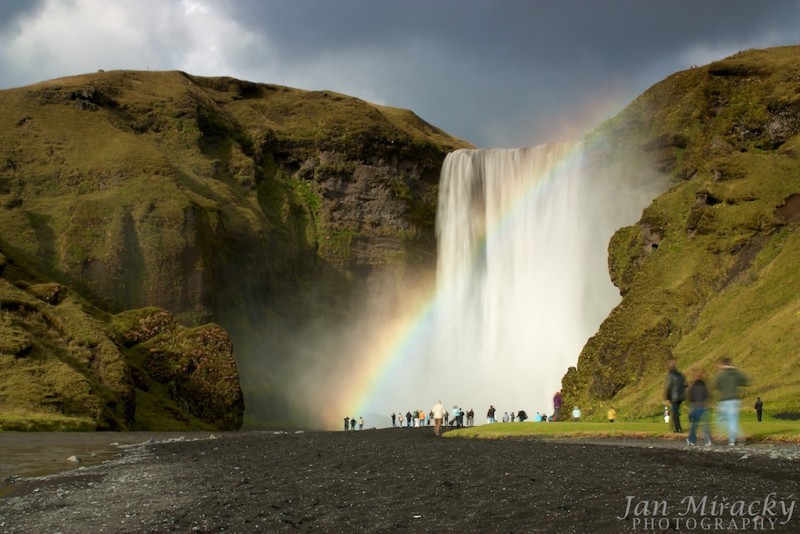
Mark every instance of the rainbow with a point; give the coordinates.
(408, 335)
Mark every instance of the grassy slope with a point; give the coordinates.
(724, 279)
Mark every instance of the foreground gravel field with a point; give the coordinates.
(410, 480)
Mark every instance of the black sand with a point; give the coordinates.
(409, 480)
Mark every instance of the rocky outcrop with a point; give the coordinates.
(67, 366)
(195, 366)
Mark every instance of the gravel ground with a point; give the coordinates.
(410, 480)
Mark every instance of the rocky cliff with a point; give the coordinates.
(711, 269)
(253, 206)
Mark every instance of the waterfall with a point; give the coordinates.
(522, 277)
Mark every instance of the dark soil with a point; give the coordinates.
(411, 480)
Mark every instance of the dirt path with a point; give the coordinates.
(409, 480)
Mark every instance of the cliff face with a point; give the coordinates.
(711, 267)
(248, 205)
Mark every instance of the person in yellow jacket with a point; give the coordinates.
(612, 414)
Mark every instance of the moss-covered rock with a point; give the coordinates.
(65, 365)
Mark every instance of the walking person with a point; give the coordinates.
(729, 380)
(438, 416)
(758, 406)
(698, 410)
(675, 392)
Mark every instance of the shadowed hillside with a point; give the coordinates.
(713, 266)
(253, 206)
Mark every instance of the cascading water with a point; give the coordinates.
(522, 279)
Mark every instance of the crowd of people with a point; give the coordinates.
(728, 382)
(459, 417)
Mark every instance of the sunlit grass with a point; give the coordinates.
(769, 430)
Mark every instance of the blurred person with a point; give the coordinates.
(698, 410)
(729, 380)
(612, 414)
(576, 413)
(557, 401)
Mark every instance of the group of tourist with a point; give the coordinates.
(458, 418)
(419, 418)
(350, 423)
(727, 382)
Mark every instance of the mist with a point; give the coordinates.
(520, 285)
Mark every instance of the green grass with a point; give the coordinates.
(769, 430)
(44, 422)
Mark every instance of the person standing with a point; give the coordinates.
(758, 406)
(675, 392)
(353, 424)
(347, 423)
(612, 414)
(698, 411)
(470, 417)
(729, 380)
(490, 414)
(438, 416)
(557, 400)
(361, 423)
(394, 418)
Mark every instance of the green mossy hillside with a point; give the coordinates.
(711, 269)
(253, 206)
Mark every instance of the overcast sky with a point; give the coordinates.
(497, 73)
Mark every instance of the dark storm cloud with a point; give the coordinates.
(516, 63)
(12, 10)
(497, 73)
